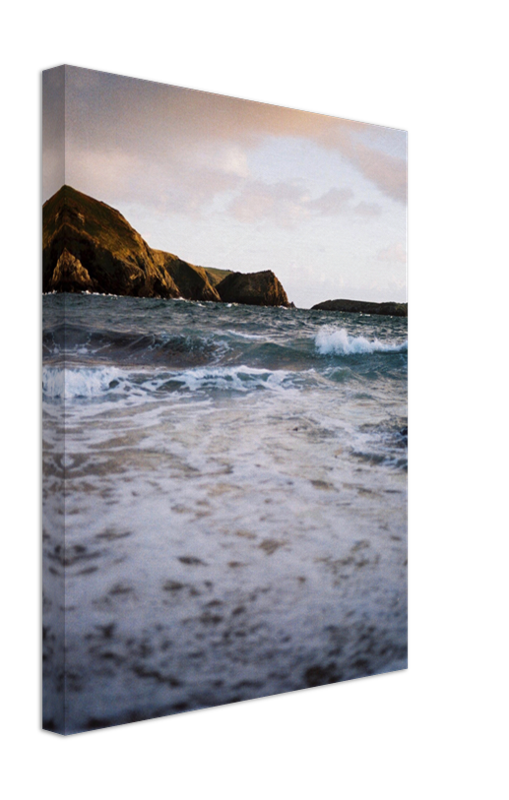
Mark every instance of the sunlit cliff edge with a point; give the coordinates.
(88, 246)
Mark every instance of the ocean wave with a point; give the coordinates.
(131, 347)
(337, 341)
(245, 335)
(240, 379)
(60, 383)
(70, 383)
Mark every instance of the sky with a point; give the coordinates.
(235, 184)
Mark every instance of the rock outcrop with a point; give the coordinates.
(89, 246)
(70, 275)
(252, 288)
(360, 306)
(113, 258)
(193, 282)
(215, 276)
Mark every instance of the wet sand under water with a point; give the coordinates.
(209, 560)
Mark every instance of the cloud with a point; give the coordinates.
(177, 185)
(178, 151)
(394, 252)
(115, 170)
(368, 210)
(282, 203)
(53, 126)
(332, 202)
(213, 156)
(143, 113)
(289, 203)
(387, 172)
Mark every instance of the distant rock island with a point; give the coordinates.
(359, 306)
(90, 247)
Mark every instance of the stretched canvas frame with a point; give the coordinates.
(54, 591)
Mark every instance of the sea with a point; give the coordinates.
(224, 504)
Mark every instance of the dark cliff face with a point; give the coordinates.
(193, 282)
(89, 246)
(252, 288)
(360, 306)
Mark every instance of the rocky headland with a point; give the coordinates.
(362, 307)
(89, 246)
(253, 288)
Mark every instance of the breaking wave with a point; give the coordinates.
(72, 383)
(336, 341)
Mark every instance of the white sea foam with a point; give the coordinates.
(94, 382)
(60, 383)
(53, 382)
(240, 379)
(330, 340)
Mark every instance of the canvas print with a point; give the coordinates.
(224, 400)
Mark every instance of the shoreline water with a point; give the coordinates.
(235, 502)
(356, 306)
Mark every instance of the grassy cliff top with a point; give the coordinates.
(216, 275)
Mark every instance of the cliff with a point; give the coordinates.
(359, 306)
(89, 246)
(252, 288)
(193, 282)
